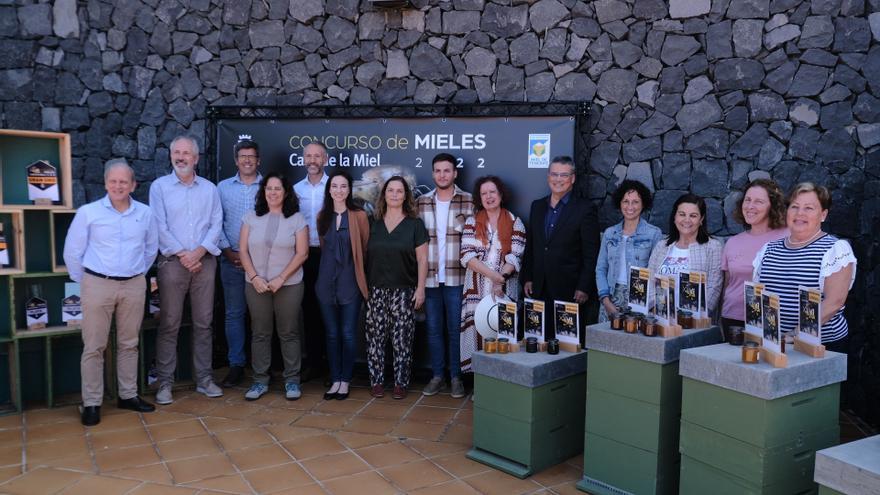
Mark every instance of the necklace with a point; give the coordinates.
(792, 243)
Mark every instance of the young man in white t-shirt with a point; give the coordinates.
(444, 211)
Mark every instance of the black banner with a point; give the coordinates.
(517, 149)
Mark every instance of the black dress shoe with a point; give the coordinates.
(340, 396)
(234, 377)
(135, 404)
(330, 395)
(91, 415)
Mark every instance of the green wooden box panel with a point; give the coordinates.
(535, 444)
(5, 383)
(66, 355)
(16, 153)
(53, 292)
(5, 309)
(558, 399)
(647, 426)
(633, 378)
(763, 423)
(629, 468)
(32, 355)
(60, 225)
(38, 241)
(824, 490)
(700, 478)
(754, 464)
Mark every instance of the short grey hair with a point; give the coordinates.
(195, 144)
(117, 163)
(564, 160)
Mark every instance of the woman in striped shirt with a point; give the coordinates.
(809, 257)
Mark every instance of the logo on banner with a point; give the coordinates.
(539, 150)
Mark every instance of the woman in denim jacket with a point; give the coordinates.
(625, 244)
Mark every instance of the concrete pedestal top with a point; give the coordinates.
(529, 369)
(850, 468)
(656, 349)
(722, 365)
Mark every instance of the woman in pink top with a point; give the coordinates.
(762, 211)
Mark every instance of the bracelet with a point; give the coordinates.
(252, 278)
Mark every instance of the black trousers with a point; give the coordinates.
(316, 345)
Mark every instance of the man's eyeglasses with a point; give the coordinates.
(560, 175)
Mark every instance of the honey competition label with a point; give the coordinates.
(567, 326)
(639, 279)
(689, 292)
(754, 316)
(71, 305)
(36, 312)
(663, 299)
(4, 249)
(770, 317)
(809, 313)
(507, 321)
(42, 179)
(533, 319)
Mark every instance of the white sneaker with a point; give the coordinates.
(210, 389)
(163, 396)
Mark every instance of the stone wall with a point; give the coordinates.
(693, 95)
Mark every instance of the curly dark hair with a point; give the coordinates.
(289, 205)
(409, 204)
(776, 214)
(325, 216)
(702, 232)
(640, 189)
(502, 191)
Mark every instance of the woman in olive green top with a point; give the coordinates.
(397, 265)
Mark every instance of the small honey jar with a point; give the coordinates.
(490, 345)
(503, 345)
(531, 345)
(685, 319)
(750, 352)
(553, 346)
(617, 320)
(650, 327)
(632, 324)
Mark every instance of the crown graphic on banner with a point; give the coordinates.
(242, 137)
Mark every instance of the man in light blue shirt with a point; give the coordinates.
(110, 245)
(310, 193)
(237, 196)
(189, 219)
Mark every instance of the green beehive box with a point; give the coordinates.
(634, 378)
(612, 468)
(824, 490)
(762, 423)
(701, 478)
(547, 402)
(647, 426)
(755, 465)
(535, 445)
(528, 410)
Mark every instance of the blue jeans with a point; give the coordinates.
(236, 307)
(439, 302)
(340, 324)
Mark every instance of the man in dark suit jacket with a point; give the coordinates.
(562, 245)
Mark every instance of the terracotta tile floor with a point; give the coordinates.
(310, 446)
(204, 446)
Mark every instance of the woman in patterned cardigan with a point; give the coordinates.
(492, 246)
